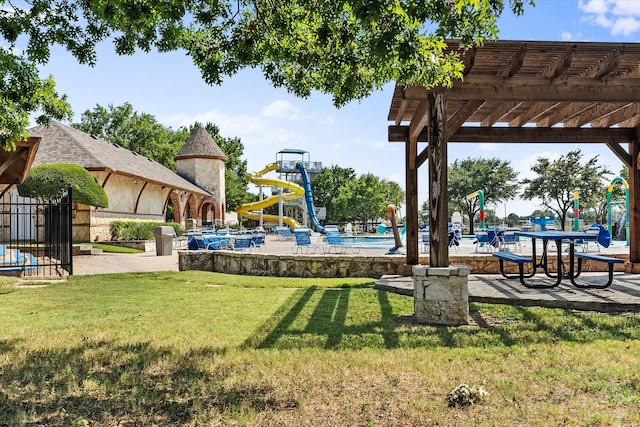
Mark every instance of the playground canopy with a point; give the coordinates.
(520, 92)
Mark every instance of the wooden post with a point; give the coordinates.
(438, 183)
(634, 204)
(411, 184)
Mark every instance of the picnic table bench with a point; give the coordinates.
(582, 256)
(521, 261)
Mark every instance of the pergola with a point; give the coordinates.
(520, 92)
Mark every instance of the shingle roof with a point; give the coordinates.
(201, 144)
(64, 144)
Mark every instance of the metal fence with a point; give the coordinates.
(36, 236)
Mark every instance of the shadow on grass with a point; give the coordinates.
(137, 384)
(326, 318)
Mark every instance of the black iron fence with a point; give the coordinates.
(36, 236)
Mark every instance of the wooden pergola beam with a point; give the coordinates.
(523, 135)
(621, 153)
(527, 89)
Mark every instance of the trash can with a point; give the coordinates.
(164, 240)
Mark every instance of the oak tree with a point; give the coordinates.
(346, 48)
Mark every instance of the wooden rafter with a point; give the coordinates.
(401, 111)
(561, 114)
(461, 115)
(560, 65)
(515, 62)
(613, 118)
(468, 60)
(532, 113)
(594, 112)
(419, 119)
(606, 66)
(499, 112)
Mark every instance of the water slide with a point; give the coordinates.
(306, 184)
(251, 210)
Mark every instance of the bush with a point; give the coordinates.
(52, 180)
(136, 230)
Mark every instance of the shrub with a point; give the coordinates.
(52, 180)
(137, 230)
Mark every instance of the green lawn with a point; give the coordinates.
(196, 348)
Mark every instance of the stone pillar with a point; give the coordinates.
(441, 295)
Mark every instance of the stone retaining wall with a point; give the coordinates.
(259, 264)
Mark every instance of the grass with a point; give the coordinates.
(115, 249)
(196, 348)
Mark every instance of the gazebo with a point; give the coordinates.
(520, 92)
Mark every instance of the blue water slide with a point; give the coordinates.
(306, 184)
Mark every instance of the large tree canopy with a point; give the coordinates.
(556, 181)
(346, 48)
(495, 177)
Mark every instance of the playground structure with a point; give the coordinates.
(480, 195)
(293, 182)
(624, 220)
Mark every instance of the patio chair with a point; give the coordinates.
(303, 242)
(454, 239)
(335, 243)
(486, 239)
(509, 238)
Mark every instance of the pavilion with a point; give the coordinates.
(520, 92)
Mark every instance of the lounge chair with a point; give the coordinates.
(425, 242)
(335, 243)
(258, 238)
(243, 242)
(285, 234)
(303, 242)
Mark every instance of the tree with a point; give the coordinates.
(141, 133)
(495, 177)
(557, 180)
(345, 48)
(137, 132)
(365, 199)
(51, 181)
(326, 185)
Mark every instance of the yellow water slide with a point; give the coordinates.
(251, 210)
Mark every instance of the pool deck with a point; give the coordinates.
(622, 296)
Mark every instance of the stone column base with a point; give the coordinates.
(441, 295)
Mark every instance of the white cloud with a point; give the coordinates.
(281, 109)
(617, 15)
(625, 26)
(625, 7)
(490, 146)
(593, 6)
(252, 130)
(329, 120)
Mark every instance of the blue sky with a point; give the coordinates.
(169, 87)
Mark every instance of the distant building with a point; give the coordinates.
(139, 189)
